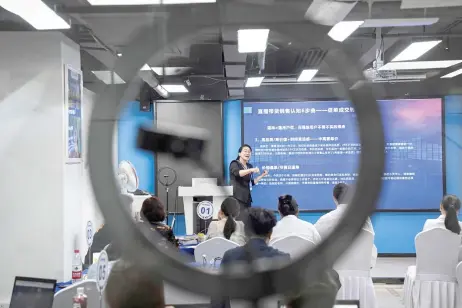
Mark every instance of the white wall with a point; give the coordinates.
(40, 195)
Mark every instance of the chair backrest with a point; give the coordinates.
(294, 245)
(213, 248)
(63, 298)
(358, 256)
(437, 252)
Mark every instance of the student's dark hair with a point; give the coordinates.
(451, 204)
(242, 147)
(153, 210)
(287, 205)
(340, 192)
(230, 208)
(259, 222)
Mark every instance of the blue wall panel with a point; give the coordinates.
(232, 124)
(131, 118)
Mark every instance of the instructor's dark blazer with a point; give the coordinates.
(241, 184)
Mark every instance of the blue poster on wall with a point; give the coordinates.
(73, 100)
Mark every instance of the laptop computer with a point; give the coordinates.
(33, 293)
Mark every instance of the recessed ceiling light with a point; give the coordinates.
(36, 13)
(419, 65)
(252, 40)
(119, 54)
(344, 29)
(253, 82)
(146, 2)
(307, 75)
(415, 50)
(175, 88)
(453, 74)
(107, 76)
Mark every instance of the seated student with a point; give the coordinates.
(131, 286)
(259, 226)
(227, 227)
(153, 213)
(290, 224)
(326, 223)
(449, 208)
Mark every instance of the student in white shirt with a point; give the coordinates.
(290, 224)
(227, 227)
(449, 208)
(326, 223)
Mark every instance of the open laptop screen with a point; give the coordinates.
(32, 293)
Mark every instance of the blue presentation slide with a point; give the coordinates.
(308, 147)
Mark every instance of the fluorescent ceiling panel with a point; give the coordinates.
(419, 65)
(328, 13)
(252, 40)
(453, 74)
(106, 77)
(145, 68)
(146, 2)
(307, 75)
(422, 4)
(175, 88)
(344, 29)
(415, 50)
(253, 82)
(398, 22)
(36, 13)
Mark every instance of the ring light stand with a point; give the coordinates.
(167, 177)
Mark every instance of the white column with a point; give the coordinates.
(40, 195)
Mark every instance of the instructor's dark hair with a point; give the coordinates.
(340, 192)
(242, 147)
(230, 208)
(451, 205)
(287, 205)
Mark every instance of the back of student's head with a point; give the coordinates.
(287, 205)
(451, 205)
(130, 286)
(230, 208)
(259, 222)
(153, 210)
(340, 193)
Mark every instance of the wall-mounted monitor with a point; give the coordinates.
(309, 146)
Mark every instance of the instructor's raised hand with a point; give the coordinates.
(255, 170)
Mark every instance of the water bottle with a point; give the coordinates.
(76, 267)
(80, 299)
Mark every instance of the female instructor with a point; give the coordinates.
(242, 175)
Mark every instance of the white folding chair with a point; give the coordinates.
(63, 298)
(459, 282)
(354, 269)
(294, 245)
(432, 282)
(212, 249)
